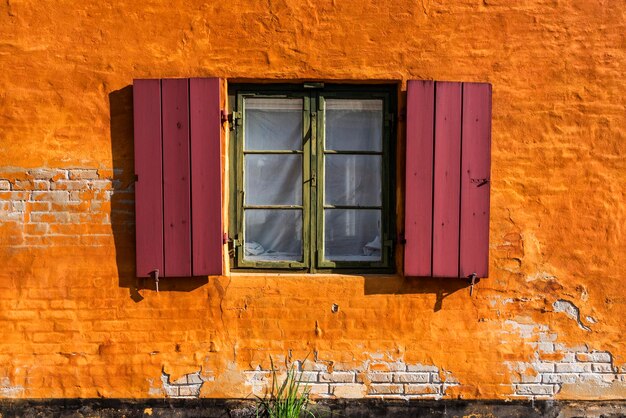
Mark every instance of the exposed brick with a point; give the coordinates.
(385, 388)
(377, 377)
(41, 185)
(422, 389)
(57, 196)
(319, 389)
(337, 377)
(572, 367)
(407, 377)
(101, 184)
(308, 376)
(544, 367)
(15, 195)
(70, 185)
(534, 389)
(189, 390)
(602, 368)
(354, 390)
(50, 217)
(5, 185)
(23, 185)
(601, 357)
(560, 378)
(171, 391)
(18, 206)
(83, 174)
(48, 174)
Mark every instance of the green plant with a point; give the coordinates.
(288, 399)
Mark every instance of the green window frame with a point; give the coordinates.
(313, 154)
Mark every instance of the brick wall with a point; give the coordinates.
(76, 322)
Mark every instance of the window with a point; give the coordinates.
(311, 177)
(311, 184)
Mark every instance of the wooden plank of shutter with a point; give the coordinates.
(419, 178)
(475, 179)
(206, 176)
(148, 172)
(446, 195)
(176, 172)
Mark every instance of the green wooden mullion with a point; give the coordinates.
(306, 181)
(353, 152)
(239, 135)
(314, 183)
(277, 207)
(320, 111)
(326, 206)
(288, 152)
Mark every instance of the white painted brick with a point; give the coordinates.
(422, 389)
(571, 349)
(11, 216)
(435, 378)
(18, 206)
(189, 390)
(535, 389)
(83, 174)
(409, 377)
(41, 185)
(385, 388)
(351, 390)
(48, 173)
(560, 378)
(601, 357)
(544, 367)
(545, 347)
(5, 185)
(602, 368)
(337, 377)
(319, 389)
(598, 377)
(70, 185)
(380, 377)
(548, 337)
(421, 368)
(194, 378)
(533, 378)
(101, 184)
(60, 217)
(171, 390)
(573, 367)
(58, 196)
(568, 358)
(308, 376)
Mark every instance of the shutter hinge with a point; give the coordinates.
(232, 118)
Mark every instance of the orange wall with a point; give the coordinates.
(73, 324)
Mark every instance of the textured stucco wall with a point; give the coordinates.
(549, 322)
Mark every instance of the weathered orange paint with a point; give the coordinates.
(76, 323)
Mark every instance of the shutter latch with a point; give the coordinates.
(155, 275)
(472, 282)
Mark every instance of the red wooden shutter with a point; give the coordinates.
(149, 172)
(178, 199)
(447, 179)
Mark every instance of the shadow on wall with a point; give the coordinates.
(123, 203)
(399, 285)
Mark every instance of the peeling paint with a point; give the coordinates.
(7, 390)
(571, 311)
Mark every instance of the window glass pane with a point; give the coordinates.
(273, 124)
(352, 235)
(273, 235)
(353, 180)
(273, 179)
(354, 125)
